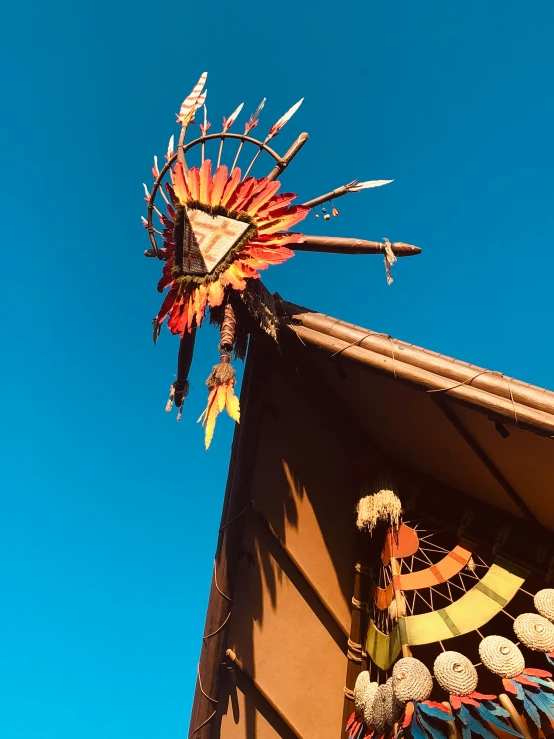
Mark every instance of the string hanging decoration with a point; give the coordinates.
(430, 587)
(219, 228)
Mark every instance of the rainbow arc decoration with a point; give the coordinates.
(219, 229)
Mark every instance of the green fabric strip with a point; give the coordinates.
(443, 613)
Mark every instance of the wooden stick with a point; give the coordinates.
(337, 245)
(333, 195)
(515, 718)
(398, 596)
(358, 623)
(288, 157)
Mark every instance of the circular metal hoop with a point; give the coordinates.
(202, 139)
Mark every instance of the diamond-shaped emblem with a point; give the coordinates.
(207, 240)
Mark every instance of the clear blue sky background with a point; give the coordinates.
(109, 509)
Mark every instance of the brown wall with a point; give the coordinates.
(303, 486)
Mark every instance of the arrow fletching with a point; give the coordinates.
(192, 102)
(366, 185)
(228, 122)
(252, 122)
(276, 127)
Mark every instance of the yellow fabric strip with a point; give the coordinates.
(382, 648)
(471, 611)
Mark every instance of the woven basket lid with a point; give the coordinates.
(362, 681)
(393, 707)
(544, 603)
(411, 680)
(501, 656)
(368, 701)
(455, 673)
(535, 631)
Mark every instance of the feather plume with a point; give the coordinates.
(228, 122)
(252, 122)
(367, 184)
(276, 127)
(190, 103)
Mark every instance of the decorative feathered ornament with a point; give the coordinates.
(536, 633)
(530, 686)
(221, 229)
(412, 685)
(477, 713)
(544, 603)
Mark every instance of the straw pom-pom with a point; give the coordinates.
(535, 632)
(455, 673)
(411, 680)
(382, 504)
(544, 603)
(501, 656)
(369, 700)
(362, 682)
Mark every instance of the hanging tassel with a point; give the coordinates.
(222, 380)
(382, 504)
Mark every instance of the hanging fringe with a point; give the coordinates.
(381, 505)
(390, 259)
(394, 612)
(222, 380)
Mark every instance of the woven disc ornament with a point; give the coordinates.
(411, 680)
(379, 711)
(501, 656)
(369, 699)
(455, 673)
(544, 603)
(536, 632)
(362, 683)
(393, 707)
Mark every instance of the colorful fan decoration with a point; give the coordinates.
(425, 593)
(219, 229)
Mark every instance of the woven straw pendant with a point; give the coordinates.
(544, 603)
(535, 632)
(362, 683)
(411, 680)
(380, 503)
(501, 656)
(455, 673)
(369, 699)
(393, 707)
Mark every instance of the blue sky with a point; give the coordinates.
(110, 510)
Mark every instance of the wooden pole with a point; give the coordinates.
(237, 500)
(337, 245)
(359, 621)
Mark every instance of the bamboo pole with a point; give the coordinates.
(339, 245)
(457, 371)
(358, 621)
(527, 418)
(399, 598)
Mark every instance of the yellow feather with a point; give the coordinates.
(232, 404)
(210, 424)
(221, 397)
